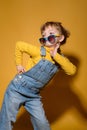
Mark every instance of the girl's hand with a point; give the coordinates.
(54, 50)
(20, 69)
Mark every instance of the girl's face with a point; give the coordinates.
(50, 31)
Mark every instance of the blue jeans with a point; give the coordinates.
(24, 90)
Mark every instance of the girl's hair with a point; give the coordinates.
(59, 27)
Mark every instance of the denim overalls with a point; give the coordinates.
(24, 90)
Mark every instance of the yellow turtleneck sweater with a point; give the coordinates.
(34, 53)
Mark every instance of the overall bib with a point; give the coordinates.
(24, 90)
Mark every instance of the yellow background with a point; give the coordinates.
(65, 101)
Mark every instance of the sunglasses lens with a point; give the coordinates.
(42, 40)
(51, 39)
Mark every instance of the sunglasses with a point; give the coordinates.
(51, 39)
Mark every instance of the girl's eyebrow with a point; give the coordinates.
(43, 35)
(51, 32)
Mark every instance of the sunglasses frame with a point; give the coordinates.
(44, 39)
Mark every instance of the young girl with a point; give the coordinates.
(43, 64)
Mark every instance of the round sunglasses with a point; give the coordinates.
(50, 38)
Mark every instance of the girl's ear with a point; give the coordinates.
(61, 38)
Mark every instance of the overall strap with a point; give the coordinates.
(43, 51)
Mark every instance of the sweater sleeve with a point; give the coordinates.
(23, 47)
(65, 64)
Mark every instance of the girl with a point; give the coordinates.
(43, 64)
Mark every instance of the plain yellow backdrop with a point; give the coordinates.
(65, 98)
